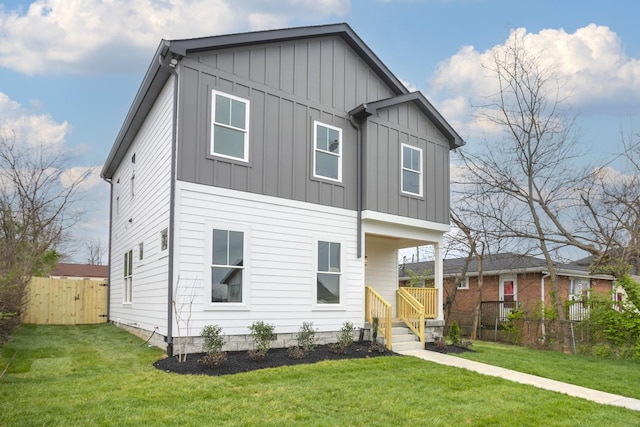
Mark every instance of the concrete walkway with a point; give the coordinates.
(519, 377)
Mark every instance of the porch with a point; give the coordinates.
(415, 309)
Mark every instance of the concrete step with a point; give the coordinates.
(406, 346)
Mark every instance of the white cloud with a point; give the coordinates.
(592, 62)
(28, 127)
(93, 36)
(88, 178)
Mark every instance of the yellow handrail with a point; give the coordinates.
(428, 297)
(411, 312)
(376, 306)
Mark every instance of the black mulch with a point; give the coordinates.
(449, 349)
(238, 361)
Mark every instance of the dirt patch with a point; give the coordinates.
(238, 361)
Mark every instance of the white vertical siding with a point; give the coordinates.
(280, 258)
(140, 218)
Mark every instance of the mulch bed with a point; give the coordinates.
(449, 349)
(238, 361)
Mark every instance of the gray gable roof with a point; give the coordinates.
(495, 264)
(158, 73)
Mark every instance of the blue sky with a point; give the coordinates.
(69, 69)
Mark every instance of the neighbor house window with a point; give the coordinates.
(464, 283)
(411, 170)
(128, 276)
(327, 158)
(578, 288)
(227, 266)
(140, 251)
(164, 239)
(328, 274)
(230, 126)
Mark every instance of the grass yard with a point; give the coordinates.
(610, 375)
(100, 375)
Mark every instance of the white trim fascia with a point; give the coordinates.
(414, 231)
(260, 198)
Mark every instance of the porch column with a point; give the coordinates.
(438, 279)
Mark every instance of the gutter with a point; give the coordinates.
(109, 246)
(358, 126)
(170, 66)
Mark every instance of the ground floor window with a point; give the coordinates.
(227, 266)
(328, 273)
(128, 276)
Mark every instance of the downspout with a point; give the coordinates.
(357, 125)
(542, 317)
(172, 201)
(109, 246)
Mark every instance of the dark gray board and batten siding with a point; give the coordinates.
(289, 85)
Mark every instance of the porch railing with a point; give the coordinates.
(376, 306)
(411, 312)
(428, 297)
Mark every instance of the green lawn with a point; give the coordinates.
(610, 375)
(100, 375)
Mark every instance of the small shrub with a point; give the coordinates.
(513, 325)
(214, 360)
(212, 343)
(213, 340)
(262, 334)
(296, 352)
(440, 344)
(375, 345)
(307, 337)
(345, 338)
(454, 333)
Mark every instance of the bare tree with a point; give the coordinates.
(611, 213)
(34, 219)
(95, 251)
(528, 182)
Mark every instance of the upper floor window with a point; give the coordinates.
(227, 266)
(327, 158)
(411, 170)
(329, 273)
(230, 126)
(463, 283)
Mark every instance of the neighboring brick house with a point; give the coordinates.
(510, 280)
(255, 173)
(80, 271)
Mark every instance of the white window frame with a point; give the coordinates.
(246, 271)
(402, 169)
(317, 150)
(212, 152)
(341, 274)
(573, 282)
(127, 294)
(464, 284)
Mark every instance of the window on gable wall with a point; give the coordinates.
(164, 239)
(230, 126)
(329, 273)
(128, 277)
(327, 159)
(227, 266)
(411, 176)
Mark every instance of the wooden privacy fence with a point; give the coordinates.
(65, 301)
